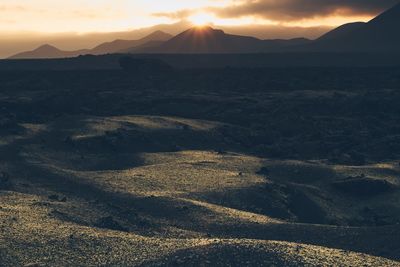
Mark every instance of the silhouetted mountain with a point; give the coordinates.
(48, 51)
(381, 34)
(122, 45)
(341, 31)
(202, 40)
(208, 40)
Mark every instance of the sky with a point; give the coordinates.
(118, 15)
(25, 23)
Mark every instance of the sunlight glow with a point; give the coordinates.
(201, 19)
(84, 16)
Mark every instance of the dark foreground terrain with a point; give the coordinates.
(242, 167)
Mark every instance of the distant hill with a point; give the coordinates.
(48, 51)
(122, 45)
(381, 34)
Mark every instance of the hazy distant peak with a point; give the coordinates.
(157, 36)
(120, 45)
(47, 47)
(159, 33)
(48, 51)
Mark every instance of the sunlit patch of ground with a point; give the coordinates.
(214, 202)
(288, 173)
(32, 235)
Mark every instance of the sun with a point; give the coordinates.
(201, 19)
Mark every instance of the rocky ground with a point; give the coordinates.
(233, 167)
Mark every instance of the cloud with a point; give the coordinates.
(7, 21)
(12, 8)
(291, 10)
(180, 14)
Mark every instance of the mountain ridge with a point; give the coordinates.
(48, 51)
(120, 45)
(51, 52)
(378, 35)
(342, 30)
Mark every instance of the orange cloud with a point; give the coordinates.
(292, 10)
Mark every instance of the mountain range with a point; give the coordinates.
(381, 34)
(49, 51)
(121, 45)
